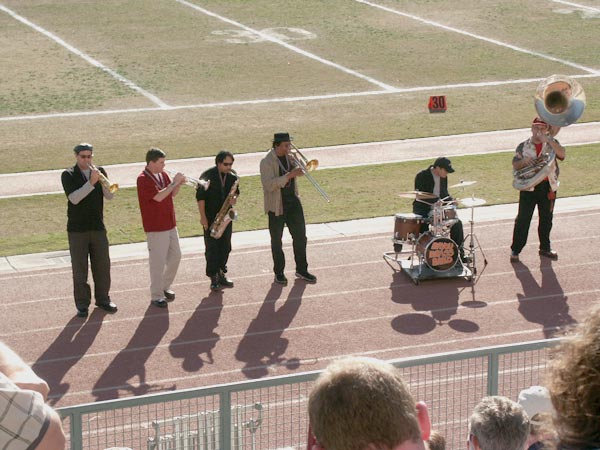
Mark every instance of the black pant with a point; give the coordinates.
(293, 216)
(95, 245)
(543, 198)
(217, 251)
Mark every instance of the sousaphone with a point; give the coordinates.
(559, 101)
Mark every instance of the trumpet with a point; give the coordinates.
(307, 166)
(105, 182)
(190, 181)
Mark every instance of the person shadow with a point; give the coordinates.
(263, 345)
(544, 303)
(131, 361)
(68, 348)
(198, 336)
(435, 303)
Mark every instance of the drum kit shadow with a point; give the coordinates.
(423, 247)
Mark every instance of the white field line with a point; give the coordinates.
(577, 5)
(94, 62)
(293, 48)
(285, 99)
(481, 38)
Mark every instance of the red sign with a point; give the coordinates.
(437, 103)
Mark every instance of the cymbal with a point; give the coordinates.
(470, 202)
(417, 194)
(463, 184)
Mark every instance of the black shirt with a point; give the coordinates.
(220, 186)
(288, 192)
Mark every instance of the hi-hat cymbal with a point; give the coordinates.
(463, 183)
(417, 194)
(470, 202)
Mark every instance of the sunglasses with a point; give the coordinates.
(86, 156)
(227, 164)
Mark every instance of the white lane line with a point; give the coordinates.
(577, 5)
(481, 38)
(94, 62)
(398, 349)
(293, 48)
(284, 99)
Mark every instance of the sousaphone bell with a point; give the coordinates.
(559, 100)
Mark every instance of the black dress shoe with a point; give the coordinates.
(108, 307)
(214, 283)
(160, 302)
(281, 279)
(224, 281)
(82, 312)
(169, 294)
(549, 254)
(306, 276)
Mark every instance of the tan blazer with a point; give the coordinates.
(272, 183)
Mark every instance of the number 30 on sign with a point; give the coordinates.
(437, 103)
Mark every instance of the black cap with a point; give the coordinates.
(282, 137)
(444, 163)
(84, 146)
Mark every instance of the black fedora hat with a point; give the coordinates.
(282, 137)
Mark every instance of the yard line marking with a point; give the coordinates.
(94, 62)
(577, 5)
(293, 48)
(284, 99)
(481, 38)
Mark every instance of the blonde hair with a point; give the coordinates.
(574, 384)
(360, 402)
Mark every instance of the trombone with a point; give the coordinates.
(307, 166)
(105, 182)
(190, 181)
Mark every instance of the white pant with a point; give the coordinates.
(164, 257)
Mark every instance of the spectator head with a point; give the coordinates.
(536, 402)
(362, 404)
(498, 423)
(574, 385)
(436, 441)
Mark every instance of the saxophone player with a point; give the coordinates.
(542, 195)
(222, 189)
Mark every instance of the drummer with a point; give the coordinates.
(434, 180)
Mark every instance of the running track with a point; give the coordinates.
(359, 306)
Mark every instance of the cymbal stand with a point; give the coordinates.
(474, 245)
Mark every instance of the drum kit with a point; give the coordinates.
(422, 245)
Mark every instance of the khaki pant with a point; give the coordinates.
(164, 257)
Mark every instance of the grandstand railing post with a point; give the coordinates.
(493, 373)
(76, 431)
(225, 419)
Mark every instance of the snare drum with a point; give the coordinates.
(439, 253)
(407, 226)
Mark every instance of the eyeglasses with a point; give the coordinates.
(86, 156)
(227, 164)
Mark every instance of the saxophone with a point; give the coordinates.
(226, 214)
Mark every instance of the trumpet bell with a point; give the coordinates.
(312, 165)
(113, 188)
(559, 100)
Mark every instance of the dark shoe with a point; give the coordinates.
(108, 307)
(514, 257)
(160, 302)
(306, 276)
(214, 283)
(224, 281)
(169, 295)
(82, 312)
(281, 279)
(549, 254)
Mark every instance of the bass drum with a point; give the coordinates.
(439, 253)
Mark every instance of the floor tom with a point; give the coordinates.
(407, 226)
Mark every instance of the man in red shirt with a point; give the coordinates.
(155, 194)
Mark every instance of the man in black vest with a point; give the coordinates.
(434, 179)
(87, 234)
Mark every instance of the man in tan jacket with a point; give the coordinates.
(278, 172)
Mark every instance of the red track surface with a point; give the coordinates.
(359, 306)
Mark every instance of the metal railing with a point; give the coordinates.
(451, 384)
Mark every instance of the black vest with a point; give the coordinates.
(88, 214)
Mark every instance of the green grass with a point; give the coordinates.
(36, 224)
